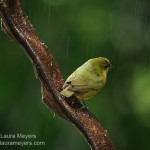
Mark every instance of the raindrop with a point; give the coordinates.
(135, 9)
(49, 14)
(111, 25)
(68, 40)
(92, 51)
(54, 115)
(145, 22)
(87, 51)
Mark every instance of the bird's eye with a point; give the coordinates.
(105, 66)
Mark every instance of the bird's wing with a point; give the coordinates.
(85, 87)
(82, 83)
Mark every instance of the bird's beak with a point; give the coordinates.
(111, 66)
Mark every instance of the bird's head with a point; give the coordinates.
(105, 65)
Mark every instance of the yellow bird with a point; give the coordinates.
(88, 79)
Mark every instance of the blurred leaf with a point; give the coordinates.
(141, 95)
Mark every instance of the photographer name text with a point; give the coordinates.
(17, 136)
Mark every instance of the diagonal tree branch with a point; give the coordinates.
(17, 26)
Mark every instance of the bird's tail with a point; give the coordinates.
(65, 92)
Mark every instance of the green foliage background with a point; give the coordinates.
(76, 31)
